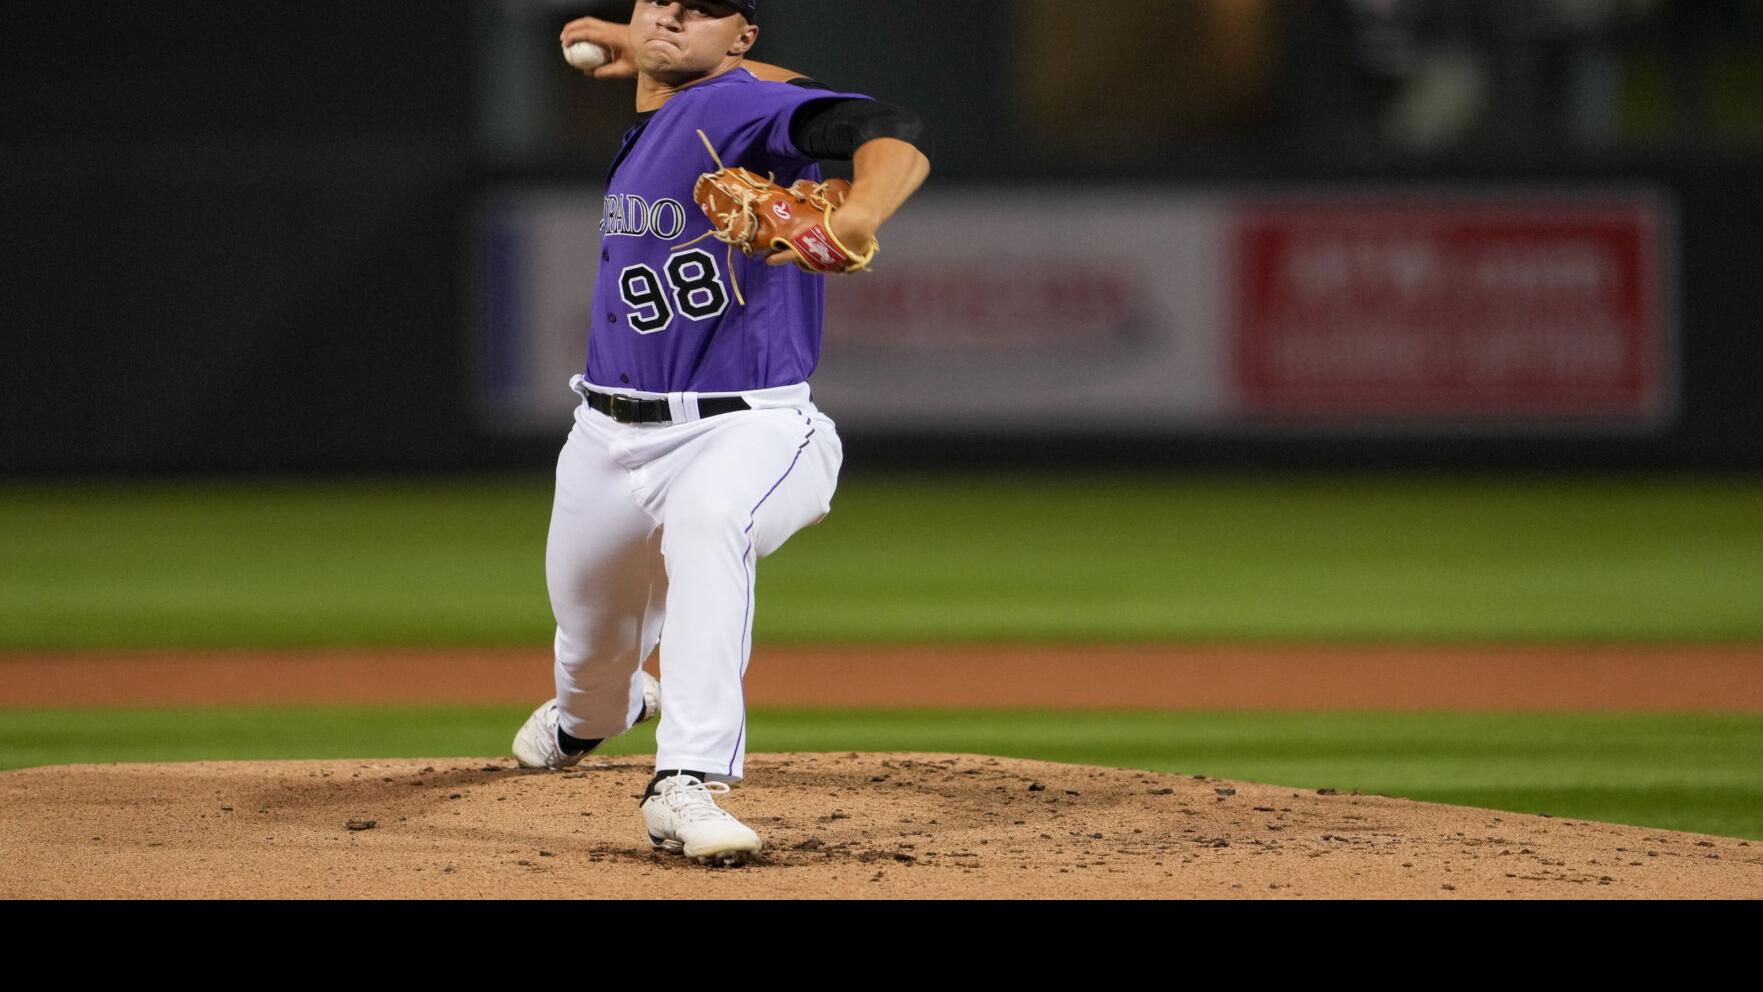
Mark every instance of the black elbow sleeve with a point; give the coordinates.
(835, 129)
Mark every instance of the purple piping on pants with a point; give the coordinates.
(747, 608)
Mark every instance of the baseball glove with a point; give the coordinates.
(751, 212)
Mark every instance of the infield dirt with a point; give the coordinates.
(836, 825)
(1562, 678)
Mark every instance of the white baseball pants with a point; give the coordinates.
(656, 532)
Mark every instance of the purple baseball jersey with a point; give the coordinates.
(665, 318)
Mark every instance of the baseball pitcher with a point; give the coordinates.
(697, 449)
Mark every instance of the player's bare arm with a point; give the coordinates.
(885, 174)
(770, 73)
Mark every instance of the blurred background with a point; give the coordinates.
(1393, 322)
(334, 235)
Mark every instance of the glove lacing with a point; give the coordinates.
(743, 190)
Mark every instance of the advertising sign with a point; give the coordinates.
(1485, 310)
(1005, 311)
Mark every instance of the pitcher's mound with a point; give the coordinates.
(839, 825)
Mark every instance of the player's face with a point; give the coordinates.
(678, 40)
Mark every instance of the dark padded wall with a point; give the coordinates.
(235, 239)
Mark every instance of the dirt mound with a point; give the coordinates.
(835, 825)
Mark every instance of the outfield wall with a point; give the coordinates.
(1542, 314)
(244, 241)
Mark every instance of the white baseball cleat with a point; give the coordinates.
(651, 698)
(683, 817)
(535, 746)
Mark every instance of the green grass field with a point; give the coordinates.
(915, 559)
(1696, 773)
(904, 559)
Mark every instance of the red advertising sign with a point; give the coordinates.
(1475, 309)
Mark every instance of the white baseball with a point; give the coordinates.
(585, 55)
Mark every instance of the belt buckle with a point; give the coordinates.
(625, 409)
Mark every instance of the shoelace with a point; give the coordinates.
(693, 800)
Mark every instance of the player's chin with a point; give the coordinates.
(672, 71)
(660, 54)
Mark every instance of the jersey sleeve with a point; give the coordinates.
(765, 111)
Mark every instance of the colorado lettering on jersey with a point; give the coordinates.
(628, 215)
(665, 317)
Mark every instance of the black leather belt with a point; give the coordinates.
(630, 410)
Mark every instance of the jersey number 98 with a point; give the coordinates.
(693, 286)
